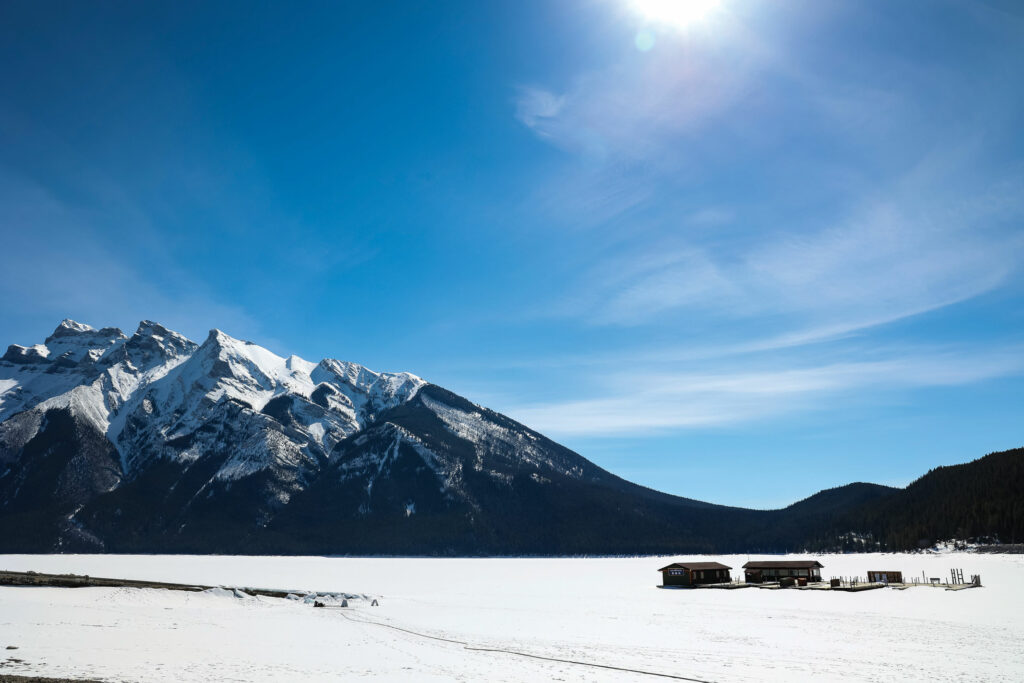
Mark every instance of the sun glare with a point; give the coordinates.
(677, 13)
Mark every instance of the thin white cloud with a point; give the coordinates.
(929, 238)
(591, 196)
(919, 250)
(536, 107)
(651, 402)
(664, 281)
(628, 111)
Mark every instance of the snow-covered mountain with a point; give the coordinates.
(153, 441)
(159, 396)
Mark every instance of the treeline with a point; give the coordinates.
(979, 499)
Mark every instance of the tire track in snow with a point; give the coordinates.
(466, 646)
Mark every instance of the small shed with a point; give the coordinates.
(885, 577)
(775, 570)
(694, 573)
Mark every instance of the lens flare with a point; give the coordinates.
(644, 41)
(677, 13)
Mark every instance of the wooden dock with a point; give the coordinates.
(725, 586)
(704, 586)
(858, 587)
(944, 586)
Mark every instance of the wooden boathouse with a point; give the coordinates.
(776, 570)
(694, 573)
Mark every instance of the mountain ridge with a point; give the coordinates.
(154, 443)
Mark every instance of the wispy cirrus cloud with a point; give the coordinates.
(916, 250)
(843, 195)
(626, 113)
(646, 401)
(931, 241)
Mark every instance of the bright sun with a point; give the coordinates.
(677, 13)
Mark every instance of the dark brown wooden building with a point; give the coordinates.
(694, 573)
(885, 577)
(775, 570)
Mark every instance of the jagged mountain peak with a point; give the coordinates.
(151, 346)
(148, 328)
(68, 327)
(297, 364)
(222, 346)
(404, 384)
(151, 333)
(74, 344)
(249, 371)
(216, 334)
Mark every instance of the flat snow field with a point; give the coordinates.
(591, 611)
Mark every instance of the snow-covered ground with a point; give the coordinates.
(593, 611)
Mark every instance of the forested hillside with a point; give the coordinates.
(980, 498)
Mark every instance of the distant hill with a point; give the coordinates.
(980, 498)
(836, 500)
(154, 443)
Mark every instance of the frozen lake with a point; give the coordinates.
(603, 611)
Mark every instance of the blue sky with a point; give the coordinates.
(768, 249)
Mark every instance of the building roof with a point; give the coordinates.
(694, 565)
(783, 564)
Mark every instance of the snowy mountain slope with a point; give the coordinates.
(68, 358)
(159, 398)
(438, 474)
(153, 392)
(153, 443)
